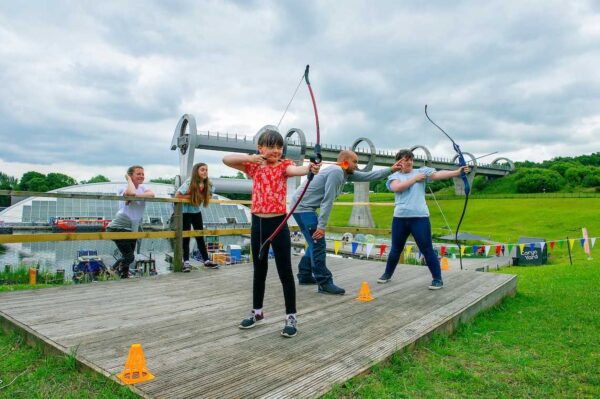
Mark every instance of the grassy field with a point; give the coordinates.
(543, 343)
(503, 220)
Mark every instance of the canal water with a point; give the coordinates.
(52, 256)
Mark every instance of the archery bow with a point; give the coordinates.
(463, 176)
(264, 248)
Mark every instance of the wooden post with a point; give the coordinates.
(178, 250)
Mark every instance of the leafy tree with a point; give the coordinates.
(59, 180)
(592, 180)
(537, 180)
(38, 184)
(7, 183)
(575, 174)
(24, 184)
(96, 179)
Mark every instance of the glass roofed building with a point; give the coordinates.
(41, 210)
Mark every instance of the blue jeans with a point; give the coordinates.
(313, 261)
(420, 228)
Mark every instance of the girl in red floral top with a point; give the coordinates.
(270, 174)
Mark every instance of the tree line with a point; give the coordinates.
(564, 174)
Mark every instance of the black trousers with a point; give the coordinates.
(127, 249)
(193, 220)
(261, 229)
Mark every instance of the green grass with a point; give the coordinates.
(503, 220)
(543, 343)
(26, 372)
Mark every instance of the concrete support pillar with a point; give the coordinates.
(361, 214)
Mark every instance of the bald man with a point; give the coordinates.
(321, 193)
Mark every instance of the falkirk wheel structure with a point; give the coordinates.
(186, 139)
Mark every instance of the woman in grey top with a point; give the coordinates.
(411, 215)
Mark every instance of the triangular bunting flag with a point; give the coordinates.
(542, 245)
(510, 247)
(487, 250)
(474, 249)
(561, 244)
(586, 242)
(593, 239)
(582, 242)
(552, 244)
(571, 242)
(453, 250)
(336, 246)
(382, 250)
(354, 247)
(443, 250)
(462, 251)
(521, 247)
(532, 246)
(369, 248)
(407, 250)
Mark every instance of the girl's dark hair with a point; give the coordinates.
(404, 154)
(132, 169)
(198, 197)
(269, 136)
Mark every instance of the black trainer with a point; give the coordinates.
(290, 330)
(331, 289)
(384, 278)
(251, 320)
(210, 264)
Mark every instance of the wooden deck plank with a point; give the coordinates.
(187, 325)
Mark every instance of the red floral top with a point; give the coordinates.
(270, 186)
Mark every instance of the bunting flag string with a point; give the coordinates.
(586, 242)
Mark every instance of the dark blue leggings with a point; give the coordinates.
(420, 228)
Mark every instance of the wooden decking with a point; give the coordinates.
(187, 325)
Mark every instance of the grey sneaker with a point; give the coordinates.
(384, 278)
(436, 285)
(251, 320)
(187, 267)
(290, 330)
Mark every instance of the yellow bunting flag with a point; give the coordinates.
(571, 242)
(521, 247)
(407, 250)
(336, 246)
(462, 251)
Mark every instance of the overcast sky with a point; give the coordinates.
(90, 88)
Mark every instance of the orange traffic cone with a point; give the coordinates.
(445, 263)
(364, 294)
(135, 367)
